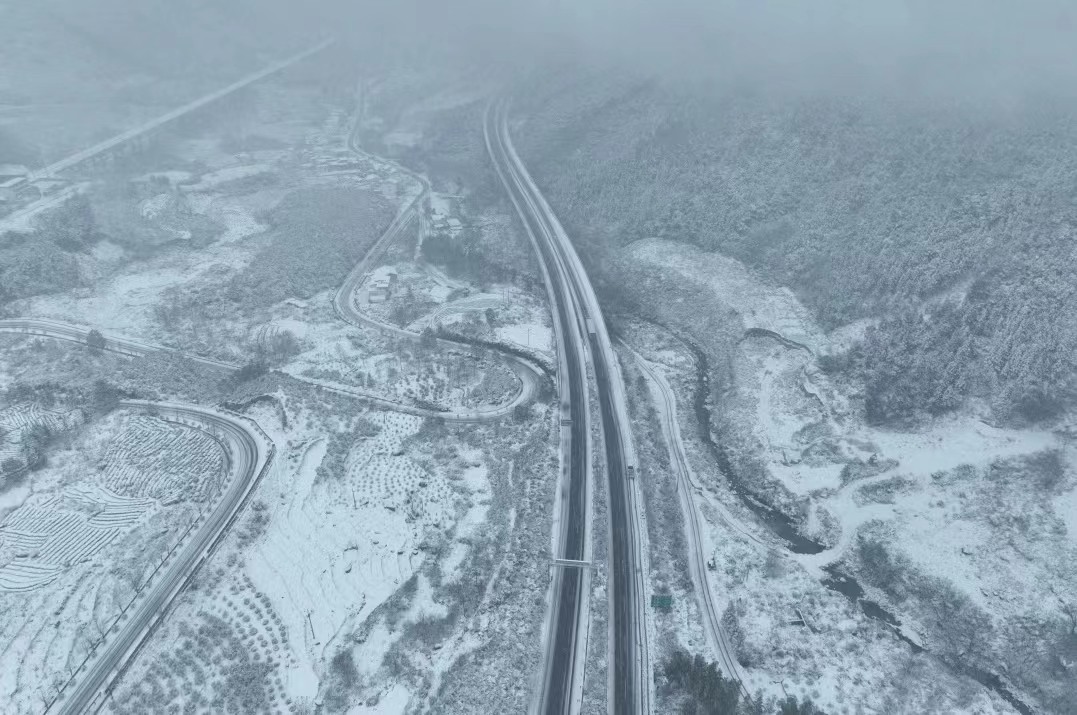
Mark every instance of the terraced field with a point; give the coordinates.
(162, 462)
(17, 419)
(77, 545)
(276, 603)
(380, 475)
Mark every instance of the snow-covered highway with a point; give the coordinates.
(583, 338)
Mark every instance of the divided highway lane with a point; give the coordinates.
(630, 681)
(567, 623)
(249, 453)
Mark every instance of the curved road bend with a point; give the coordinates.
(345, 300)
(630, 681)
(249, 452)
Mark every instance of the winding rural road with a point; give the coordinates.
(58, 330)
(347, 298)
(249, 453)
(47, 328)
(686, 486)
(583, 340)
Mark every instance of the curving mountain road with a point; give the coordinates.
(529, 376)
(582, 340)
(249, 453)
(346, 300)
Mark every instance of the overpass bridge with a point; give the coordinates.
(142, 132)
(45, 188)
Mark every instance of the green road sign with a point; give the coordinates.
(662, 601)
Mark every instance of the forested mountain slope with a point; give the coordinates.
(951, 223)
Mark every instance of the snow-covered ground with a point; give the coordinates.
(215, 179)
(337, 548)
(520, 318)
(124, 302)
(336, 354)
(956, 500)
(84, 536)
(757, 303)
(370, 525)
(329, 540)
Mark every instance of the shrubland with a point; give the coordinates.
(46, 260)
(694, 686)
(316, 236)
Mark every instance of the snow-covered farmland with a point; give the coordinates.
(113, 499)
(337, 547)
(375, 539)
(338, 526)
(17, 419)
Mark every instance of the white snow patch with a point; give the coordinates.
(760, 304)
(238, 220)
(395, 700)
(532, 335)
(850, 334)
(403, 138)
(231, 173)
(954, 441)
(14, 496)
(803, 479)
(1066, 507)
(107, 252)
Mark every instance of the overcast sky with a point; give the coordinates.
(990, 47)
(999, 49)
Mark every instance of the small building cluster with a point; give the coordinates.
(450, 226)
(381, 286)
